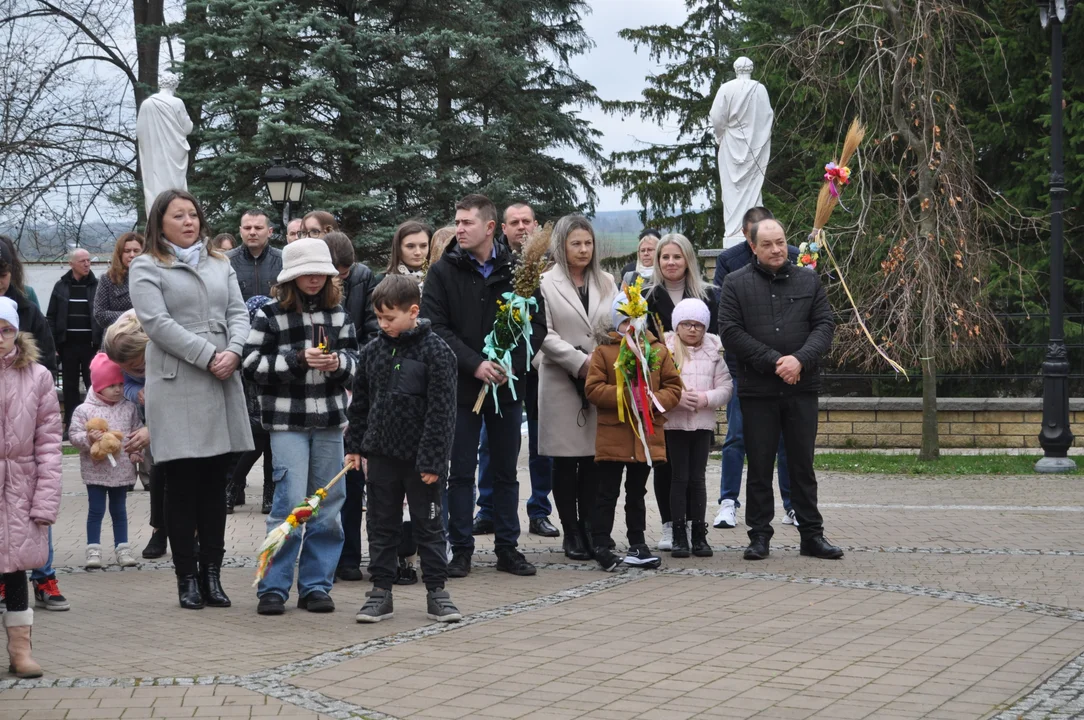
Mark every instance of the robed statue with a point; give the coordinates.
(162, 128)
(742, 118)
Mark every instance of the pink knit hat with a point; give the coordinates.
(691, 309)
(104, 372)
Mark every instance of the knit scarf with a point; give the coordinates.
(418, 275)
(189, 255)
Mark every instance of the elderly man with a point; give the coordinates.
(776, 325)
(256, 263)
(292, 229)
(75, 333)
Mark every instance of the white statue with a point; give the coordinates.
(742, 117)
(162, 127)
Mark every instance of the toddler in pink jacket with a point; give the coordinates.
(690, 427)
(108, 479)
(29, 478)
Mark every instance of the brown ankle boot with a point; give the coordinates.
(18, 625)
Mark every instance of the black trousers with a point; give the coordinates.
(662, 475)
(609, 488)
(16, 594)
(157, 492)
(389, 480)
(688, 451)
(764, 418)
(351, 513)
(247, 460)
(575, 487)
(74, 363)
(197, 502)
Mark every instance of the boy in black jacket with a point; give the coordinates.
(402, 419)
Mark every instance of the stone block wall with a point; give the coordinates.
(962, 422)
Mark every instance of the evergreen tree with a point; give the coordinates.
(394, 109)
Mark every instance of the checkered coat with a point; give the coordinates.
(292, 396)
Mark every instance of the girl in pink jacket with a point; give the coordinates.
(29, 478)
(107, 480)
(690, 427)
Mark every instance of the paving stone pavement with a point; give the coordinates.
(959, 597)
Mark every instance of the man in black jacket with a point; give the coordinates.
(460, 299)
(776, 325)
(733, 461)
(256, 263)
(75, 333)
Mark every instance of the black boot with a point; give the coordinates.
(268, 498)
(701, 546)
(210, 581)
(156, 548)
(230, 499)
(573, 544)
(681, 540)
(188, 592)
(239, 493)
(585, 537)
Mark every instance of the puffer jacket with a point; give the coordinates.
(764, 316)
(358, 301)
(123, 416)
(615, 440)
(705, 372)
(30, 466)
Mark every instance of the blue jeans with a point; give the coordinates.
(734, 457)
(97, 495)
(304, 461)
(538, 505)
(504, 431)
(45, 571)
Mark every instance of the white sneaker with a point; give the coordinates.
(790, 518)
(666, 542)
(94, 557)
(124, 556)
(725, 517)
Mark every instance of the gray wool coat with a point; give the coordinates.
(189, 314)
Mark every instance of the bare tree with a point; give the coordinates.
(72, 75)
(921, 274)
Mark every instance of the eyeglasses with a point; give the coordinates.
(9, 332)
(303, 233)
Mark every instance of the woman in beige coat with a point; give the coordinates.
(577, 296)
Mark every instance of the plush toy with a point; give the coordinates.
(110, 443)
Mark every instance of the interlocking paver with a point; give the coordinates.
(956, 597)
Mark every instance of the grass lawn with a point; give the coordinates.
(909, 464)
(69, 450)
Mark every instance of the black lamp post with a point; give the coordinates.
(285, 186)
(1055, 436)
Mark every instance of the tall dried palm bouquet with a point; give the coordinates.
(837, 175)
(513, 322)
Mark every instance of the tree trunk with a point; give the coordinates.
(931, 448)
(149, 18)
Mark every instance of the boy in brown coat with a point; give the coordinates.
(617, 448)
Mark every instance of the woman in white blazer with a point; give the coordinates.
(577, 296)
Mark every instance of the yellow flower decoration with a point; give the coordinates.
(634, 306)
(292, 519)
(321, 493)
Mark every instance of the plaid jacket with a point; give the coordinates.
(294, 397)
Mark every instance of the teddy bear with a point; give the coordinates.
(109, 444)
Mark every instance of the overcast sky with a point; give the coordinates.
(618, 73)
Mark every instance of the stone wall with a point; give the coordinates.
(962, 422)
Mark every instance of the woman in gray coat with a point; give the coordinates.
(188, 301)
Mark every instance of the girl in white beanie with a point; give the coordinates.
(690, 427)
(31, 478)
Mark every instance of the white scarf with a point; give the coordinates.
(418, 275)
(189, 255)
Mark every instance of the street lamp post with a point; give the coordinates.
(285, 187)
(1055, 436)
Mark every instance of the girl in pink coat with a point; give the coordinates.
(690, 427)
(29, 478)
(107, 481)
